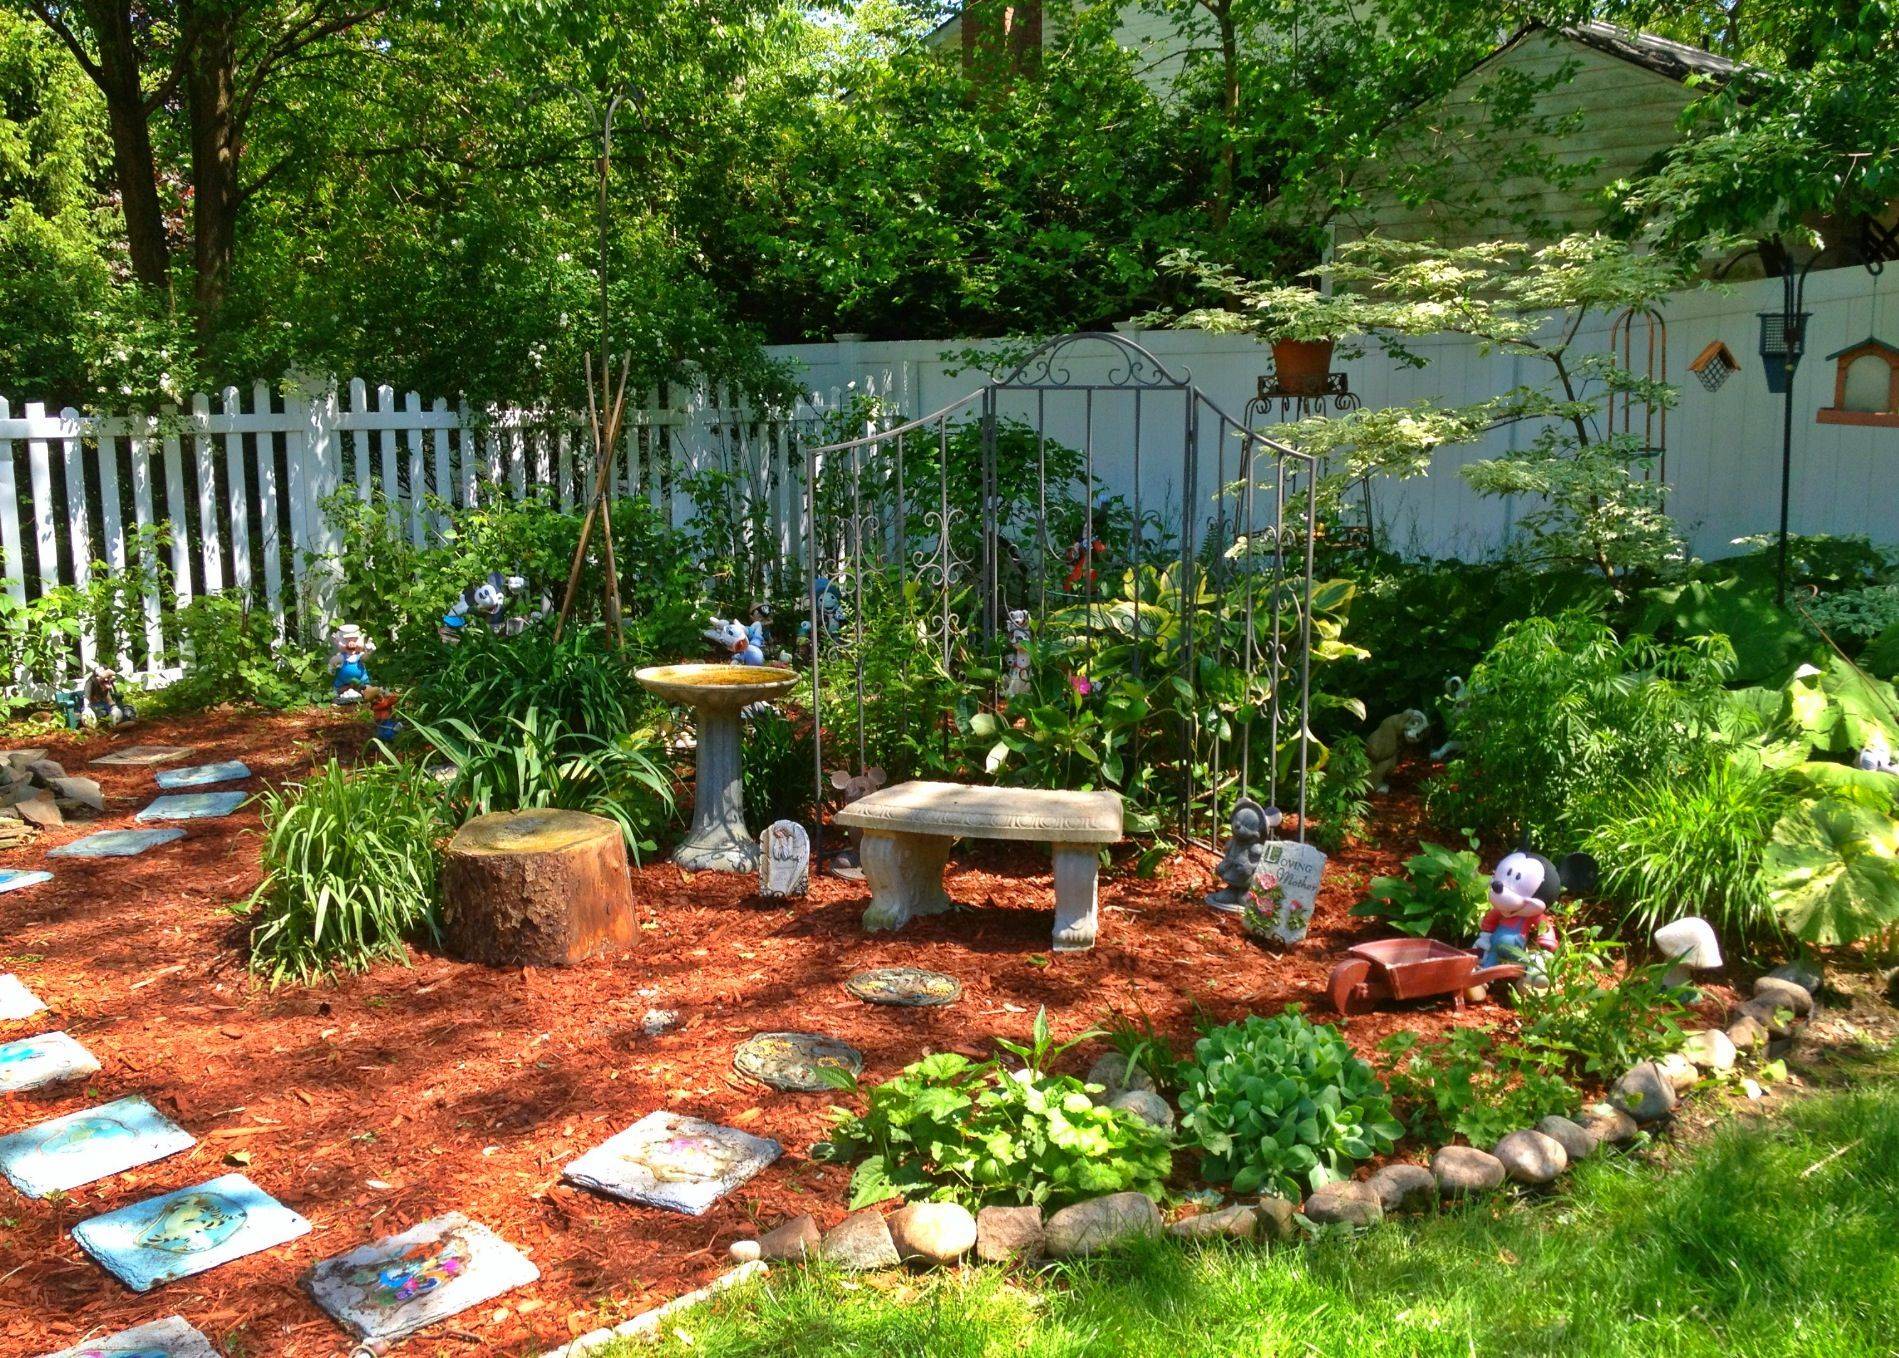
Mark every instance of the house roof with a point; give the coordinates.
(1675, 60)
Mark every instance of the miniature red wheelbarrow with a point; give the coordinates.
(1408, 969)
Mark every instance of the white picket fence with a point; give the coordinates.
(238, 490)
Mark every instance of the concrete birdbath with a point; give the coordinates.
(719, 841)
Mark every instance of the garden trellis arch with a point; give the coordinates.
(1180, 566)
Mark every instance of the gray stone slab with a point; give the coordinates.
(194, 806)
(80, 1148)
(179, 1234)
(115, 844)
(795, 1062)
(906, 987)
(953, 809)
(204, 775)
(20, 759)
(44, 1060)
(402, 1283)
(19, 879)
(16, 1001)
(139, 756)
(665, 1160)
(172, 1337)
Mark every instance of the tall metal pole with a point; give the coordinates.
(606, 169)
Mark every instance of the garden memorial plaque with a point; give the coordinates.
(795, 1062)
(115, 844)
(194, 806)
(784, 860)
(437, 1268)
(91, 1144)
(187, 1232)
(18, 879)
(16, 1001)
(665, 1160)
(141, 755)
(204, 775)
(1285, 889)
(44, 1060)
(909, 987)
(172, 1337)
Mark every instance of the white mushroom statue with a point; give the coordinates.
(1690, 944)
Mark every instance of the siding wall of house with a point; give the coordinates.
(1145, 31)
(1623, 113)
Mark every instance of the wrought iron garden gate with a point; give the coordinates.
(1091, 513)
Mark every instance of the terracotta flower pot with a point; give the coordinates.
(1302, 366)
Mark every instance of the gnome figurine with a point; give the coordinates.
(349, 662)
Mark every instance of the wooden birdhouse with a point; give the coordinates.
(1865, 385)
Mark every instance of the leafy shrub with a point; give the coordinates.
(1340, 797)
(1442, 894)
(1561, 712)
(1693, 842)
(950, 1129)
(779, 774)
(1279, 1105)
(1586, 1020)
(234, 657)
(1471, 1083)
(490, 683)
(542, 764)
(349, 870)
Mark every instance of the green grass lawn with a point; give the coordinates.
(1757, 1243)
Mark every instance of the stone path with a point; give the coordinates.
(193, 806)
(203, 775)
(18, 879)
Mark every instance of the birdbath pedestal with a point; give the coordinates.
(719, 841)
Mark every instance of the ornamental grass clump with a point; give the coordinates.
(1281, 1105)
(349, 870)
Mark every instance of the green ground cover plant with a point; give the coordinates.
(1442, 895)
(1471, 1083)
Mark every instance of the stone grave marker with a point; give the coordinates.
(186, 1232)
(18, 879)
(115, 844)
(395, 1286)
(203, 775)
(194, 806)
(908, 987)
(172, 1337)
(43, 1060)
(139, 756)
(795, 1062)
(666, 1160)
(83, 1147)
(784, 860)
(16, 1001)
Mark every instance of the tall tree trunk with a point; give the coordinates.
(1227, 173)
(210, 103)
(134, 166)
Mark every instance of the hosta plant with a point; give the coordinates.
(1281, 1105)
(984, 1133)
(1442, 894)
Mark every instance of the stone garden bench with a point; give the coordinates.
(908, 830)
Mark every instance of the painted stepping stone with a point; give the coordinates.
(172, 1337)
(92, 1144)
(43, 1060)
(910, 987)
(395, 1286)
(203, 775)
(194, 806)
(665, 1160)
(16, 1001)
(139, 756)
(795, 1062)
(18, 879)
(190, 1231)
(115, 844)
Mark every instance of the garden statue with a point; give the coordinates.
(382, 705)
(1456, 699)
(1251, 824)
(734, 642)
(349, 662)
(492, 601)
(759, 629)
(1690, 945)
(1396, 734)
(829, 603)
(1081, 561)
(99, 700)
(1876, 755)
(784, 860)
(1018, 662)
(845, 862)
(1522, 890)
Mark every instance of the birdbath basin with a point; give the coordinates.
(719, 841)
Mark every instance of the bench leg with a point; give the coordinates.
(1077, 909)
(905, 873)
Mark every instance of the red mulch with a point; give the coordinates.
(395, 1096)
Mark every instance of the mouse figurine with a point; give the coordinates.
(731, 637)
(1516, 928)
(1251, 825)
(846, 863)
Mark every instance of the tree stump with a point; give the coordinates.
(542, 888)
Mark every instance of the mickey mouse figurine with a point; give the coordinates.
(1522, 890)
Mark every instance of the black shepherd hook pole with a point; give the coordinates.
(606, 169)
